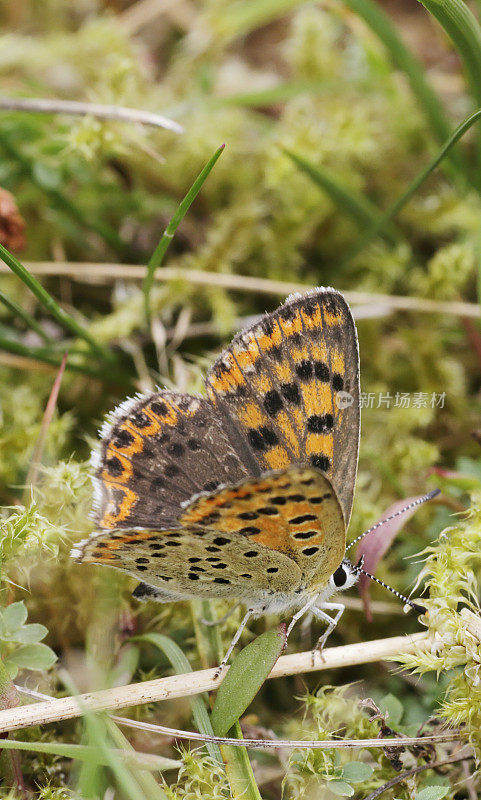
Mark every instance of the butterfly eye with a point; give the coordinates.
(339, 577)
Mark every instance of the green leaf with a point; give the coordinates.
(29, 634)
(14, 616)
(33, 656)
(341, 788)
(357, 771)
(432, 793)
(181, 665)
(244, 679)
(393, 708)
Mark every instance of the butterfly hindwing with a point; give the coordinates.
(193, 561)
(269, 534)
(289, 389)
(156, 452)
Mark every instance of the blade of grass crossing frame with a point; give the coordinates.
(376, 18)
(20, 312)
(181, 665)
(172, 226)
(97, 734)
(372, 232)
(52, 306)
(82, 752)
(352, 203)
(463, 29)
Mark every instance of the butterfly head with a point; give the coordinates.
(345, 576)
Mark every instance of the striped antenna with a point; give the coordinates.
(418, 502)
(418, 608)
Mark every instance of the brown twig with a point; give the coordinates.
(402, 777)
(40, 105)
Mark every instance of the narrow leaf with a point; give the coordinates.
(244, 679)
(352, 203)
(51, 305)
(396, 207)
(376, 18)
(20, 312)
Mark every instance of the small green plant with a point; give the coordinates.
(22, 646)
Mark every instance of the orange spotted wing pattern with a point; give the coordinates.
(290, 385)
(266, 534)
(186, 487)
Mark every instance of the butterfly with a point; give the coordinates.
(245, 494)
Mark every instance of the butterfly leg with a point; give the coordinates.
(234, 641)
(298, 615)
(211, 623)
(320, 613)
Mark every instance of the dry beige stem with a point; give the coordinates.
(87, 272)
(203, 681)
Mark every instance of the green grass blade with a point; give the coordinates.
(20, 312)
(464, 31)
(379, 22)
(181, 665)
(51, 305)
(172, 226)
(248, 672)
(83, 752)
(97, 734)
(147, 782)
(352, 203)
(372, 232)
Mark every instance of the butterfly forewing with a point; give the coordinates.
(289, 390)
(156, 452)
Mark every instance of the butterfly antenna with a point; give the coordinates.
(406, 600)
(418, 502)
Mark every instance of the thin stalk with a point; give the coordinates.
(41, 105)
(372, 232)
(88, 753)
(52, 306)
(20, 312)
(376, 18)
(352, 203)
(463, 29)
(171, 228)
